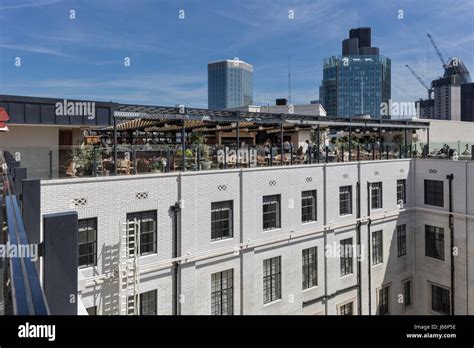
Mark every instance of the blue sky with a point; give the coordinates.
(83, 58)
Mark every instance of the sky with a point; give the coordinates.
(83, 57)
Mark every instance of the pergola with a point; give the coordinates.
(180, 118)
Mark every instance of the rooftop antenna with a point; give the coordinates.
(289, 79)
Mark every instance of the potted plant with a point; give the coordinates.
(188, 153)
(205, 161)
(83, 159)
(156, 166)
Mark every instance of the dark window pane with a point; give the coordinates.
(271, 212)
(310, 267)
(148, 222)
(221, 220)
(377, 247)
(308, 206)
(346, 256)
(148, 303)
(87, 246)
(222, 285)
(434, 242)
(345, 200)
(401, 240)
(434, 193)
(272, 279)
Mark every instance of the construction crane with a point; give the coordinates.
(437, 50)
(420, 80)
(452, 66)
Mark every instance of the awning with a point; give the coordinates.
(3, 119)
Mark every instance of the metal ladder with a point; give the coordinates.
(128, 268)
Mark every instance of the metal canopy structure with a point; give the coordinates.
(181, 118)
(129, 112)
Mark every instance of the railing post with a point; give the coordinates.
(134, 160)
(168, 160)
(400, 151)
(225, 157)
(358, 152)
(386, 152)
(198, 158)
(248, 158)
(342, 153)
(381, 146)
(183, 145)
(373, 151)
(94, 161)
(50, 171)
(327, 153)
(291, 154)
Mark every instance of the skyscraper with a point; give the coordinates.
(229, 84)
(358, 81)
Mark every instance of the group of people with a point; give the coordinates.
(301, 152)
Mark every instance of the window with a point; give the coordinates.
(147, 223)
(222, 293)
(271, 212)
(376, 195)
(346, 256)
(308, 206)
(402, 240)
(221, 220)
(407, 293)
(310, 267)
(383, 300)
(401, 191)
(434, 242)
(271, 279)
(346, 309)
(92, 310)
(87, 242)
(148, 303)
(377, 247)
(345, 200)
(434, 193)
(440, 299)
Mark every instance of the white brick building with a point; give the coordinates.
(329, 291)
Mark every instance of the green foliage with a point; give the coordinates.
(398, 139)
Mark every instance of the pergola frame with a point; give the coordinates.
(181, 113)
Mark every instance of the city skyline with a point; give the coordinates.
(84, 57)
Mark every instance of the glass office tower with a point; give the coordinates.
(230, 84)
(358, 81)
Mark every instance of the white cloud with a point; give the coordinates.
(36, 3)
(35, 49)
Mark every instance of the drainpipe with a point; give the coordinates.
(176, 209)
(359, 262)
(450, 178)
(369, 222)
